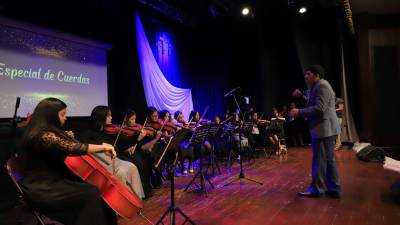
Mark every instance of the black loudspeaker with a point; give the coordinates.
(371, 154)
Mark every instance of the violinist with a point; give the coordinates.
(185, 151)
(194, 118)
(217, 120)
(206, 147)
(218, 141)
(276, 131)
(138, 150)
(179, 120)
(153, 120)
(157, 146)
(258, 131)
(238, 134)
(169, 127)
(131, 123)
(48, 184)
(102, 130)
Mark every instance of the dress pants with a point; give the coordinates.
(324, 171)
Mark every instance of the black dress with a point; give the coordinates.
(142, 159)
(51, 188)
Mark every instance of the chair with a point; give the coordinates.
(16, 170)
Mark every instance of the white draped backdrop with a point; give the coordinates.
(158, 91)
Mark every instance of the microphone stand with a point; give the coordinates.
(14, 123)
(241, 173)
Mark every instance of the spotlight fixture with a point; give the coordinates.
(302, 10)
(245, 11)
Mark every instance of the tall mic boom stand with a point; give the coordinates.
(241, 174)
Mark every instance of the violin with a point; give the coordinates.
(192, 125)
(115, 129)
(150, 132)
(161, 125)
(227, 120)
(128, 131)
(262, 122)
(170, 127)
(182, 124)
(204, 122)
(157, 125)
(136, 127)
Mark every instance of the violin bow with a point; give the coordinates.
(227, 119)
(162, 126)
(120, 130)
(202, 115)
(244, 116)
(115, 142)
(134, 147)
(165, 150)
(145, 122)
(190, 120)
(261, 115)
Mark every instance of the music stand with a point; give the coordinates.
(173, 145)
(228, 131)
(241, 173)
(212, 133)
(247, 126)
(198, 138)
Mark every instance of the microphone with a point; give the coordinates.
(17, 102)
(231, 92)
(16, 107)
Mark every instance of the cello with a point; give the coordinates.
(113, 191)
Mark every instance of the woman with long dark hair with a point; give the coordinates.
(48, 185)
(125, 171)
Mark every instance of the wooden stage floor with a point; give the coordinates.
(365, 197)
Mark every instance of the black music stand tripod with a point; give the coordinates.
(241, 173)
(198, 138)
(172, 209)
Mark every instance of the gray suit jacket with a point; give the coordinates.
(320, 111)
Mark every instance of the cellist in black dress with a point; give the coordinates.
(49, 185)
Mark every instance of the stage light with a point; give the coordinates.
(302, 10)
(245, 11)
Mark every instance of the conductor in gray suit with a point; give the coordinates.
(324, 127)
